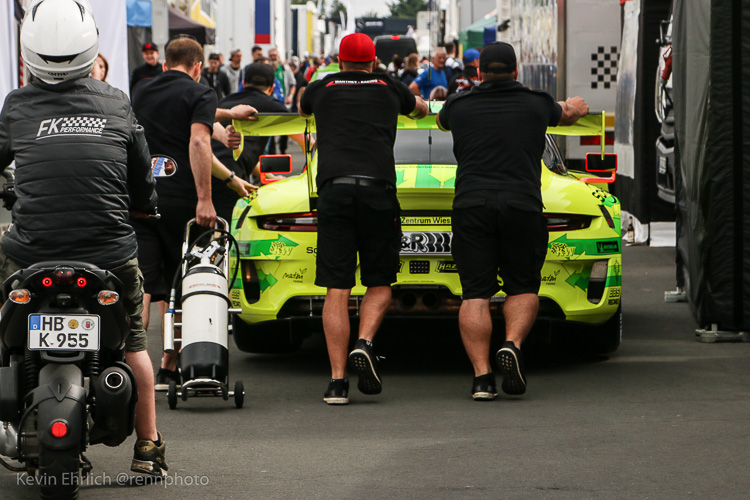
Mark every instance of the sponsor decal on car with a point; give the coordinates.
(426, 220)
(279, 247)
(551, 279)
(446, 266)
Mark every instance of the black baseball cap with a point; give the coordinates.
(149, 46)
(497, 57)
(259, 74)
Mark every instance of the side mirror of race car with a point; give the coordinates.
(163, 166)
(276, 165)
(596, 162)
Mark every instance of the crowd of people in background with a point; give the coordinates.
(434, 77)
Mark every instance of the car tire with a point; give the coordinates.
(605, 338)
(263, 338)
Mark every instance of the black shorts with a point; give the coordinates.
(160, 247)
(498, 234)
(352, 219)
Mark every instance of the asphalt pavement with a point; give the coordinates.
(663, 417)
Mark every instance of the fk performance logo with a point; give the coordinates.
(75, 125)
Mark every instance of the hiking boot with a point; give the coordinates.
(484, 387)
(148, 457)
(363, 361)
(338, 392)
(164, 376)
(510, 364)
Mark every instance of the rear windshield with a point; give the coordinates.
(424, 147)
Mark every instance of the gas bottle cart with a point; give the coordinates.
(202, 282)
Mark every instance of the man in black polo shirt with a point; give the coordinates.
(356, 114)
(177, 114)
(498, 132)
(149, 69)
(258, 86)
(214, 78)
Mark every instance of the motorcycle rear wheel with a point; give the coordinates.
(59, 473)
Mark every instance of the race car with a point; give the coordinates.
(276, 231)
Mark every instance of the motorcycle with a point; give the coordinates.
(64, 384)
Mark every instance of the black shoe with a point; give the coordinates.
(363, 361)
(484, 387)
(148, 458)
(338, 392)
(164, 376)
(510, 364)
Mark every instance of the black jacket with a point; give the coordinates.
(81, 163)
(217, 81)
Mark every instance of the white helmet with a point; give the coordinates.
(59, 40)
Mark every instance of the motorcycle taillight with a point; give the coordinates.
(64, 276)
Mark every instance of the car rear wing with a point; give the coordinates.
(271, 125)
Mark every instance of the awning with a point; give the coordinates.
(180, 24)
(473, 36)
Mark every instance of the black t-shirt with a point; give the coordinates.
(253, 146)
(217, 81)
(498, 132)
(356, 115)
(167, 106)
(144, 72)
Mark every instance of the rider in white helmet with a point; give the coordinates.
(80, 157)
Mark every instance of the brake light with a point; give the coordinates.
(567, 222)
(59, 429)
(20, 296)
(395, 37)
(305, 222)
(596, 140)
(108, 297)
(63, 276)
(47, 281)
(81, 282)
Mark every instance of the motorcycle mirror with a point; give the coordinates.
(163, 166)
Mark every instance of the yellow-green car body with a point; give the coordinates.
(275, 229)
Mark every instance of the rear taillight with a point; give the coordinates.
(64, 276)
(307, 222)
(59, 429)
(47, 281)
(567, 222)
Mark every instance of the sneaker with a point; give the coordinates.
(484, 387)
(338, 392)
(510, 363)
(164, 376)
(148, 458)
(363, 361)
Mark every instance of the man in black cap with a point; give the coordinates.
(214, 78)
(498, 132)
(149, 69)
(257, 90)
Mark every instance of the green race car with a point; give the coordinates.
(276, 231)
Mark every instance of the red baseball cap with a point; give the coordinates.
(357, 47)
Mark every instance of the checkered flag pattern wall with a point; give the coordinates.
(84, 121)
(604, 67)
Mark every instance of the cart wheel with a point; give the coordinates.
(172, 395)
(184, 394)
(239, 394)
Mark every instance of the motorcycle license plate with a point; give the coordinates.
(426, 242)
(64, 332)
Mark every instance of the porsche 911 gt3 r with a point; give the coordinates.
(276, 230)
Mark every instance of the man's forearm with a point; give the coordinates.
(201, 160)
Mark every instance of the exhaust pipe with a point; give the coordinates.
(114, 410)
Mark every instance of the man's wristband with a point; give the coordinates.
(228, 179)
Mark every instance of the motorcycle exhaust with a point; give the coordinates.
(113, 414)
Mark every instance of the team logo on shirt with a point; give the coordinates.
(374, 81)
(74, 125)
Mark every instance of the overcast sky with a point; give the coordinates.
(363, 6)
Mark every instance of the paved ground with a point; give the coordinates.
(663, 417)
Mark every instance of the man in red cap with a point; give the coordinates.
(149, 69)
(358, 211)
